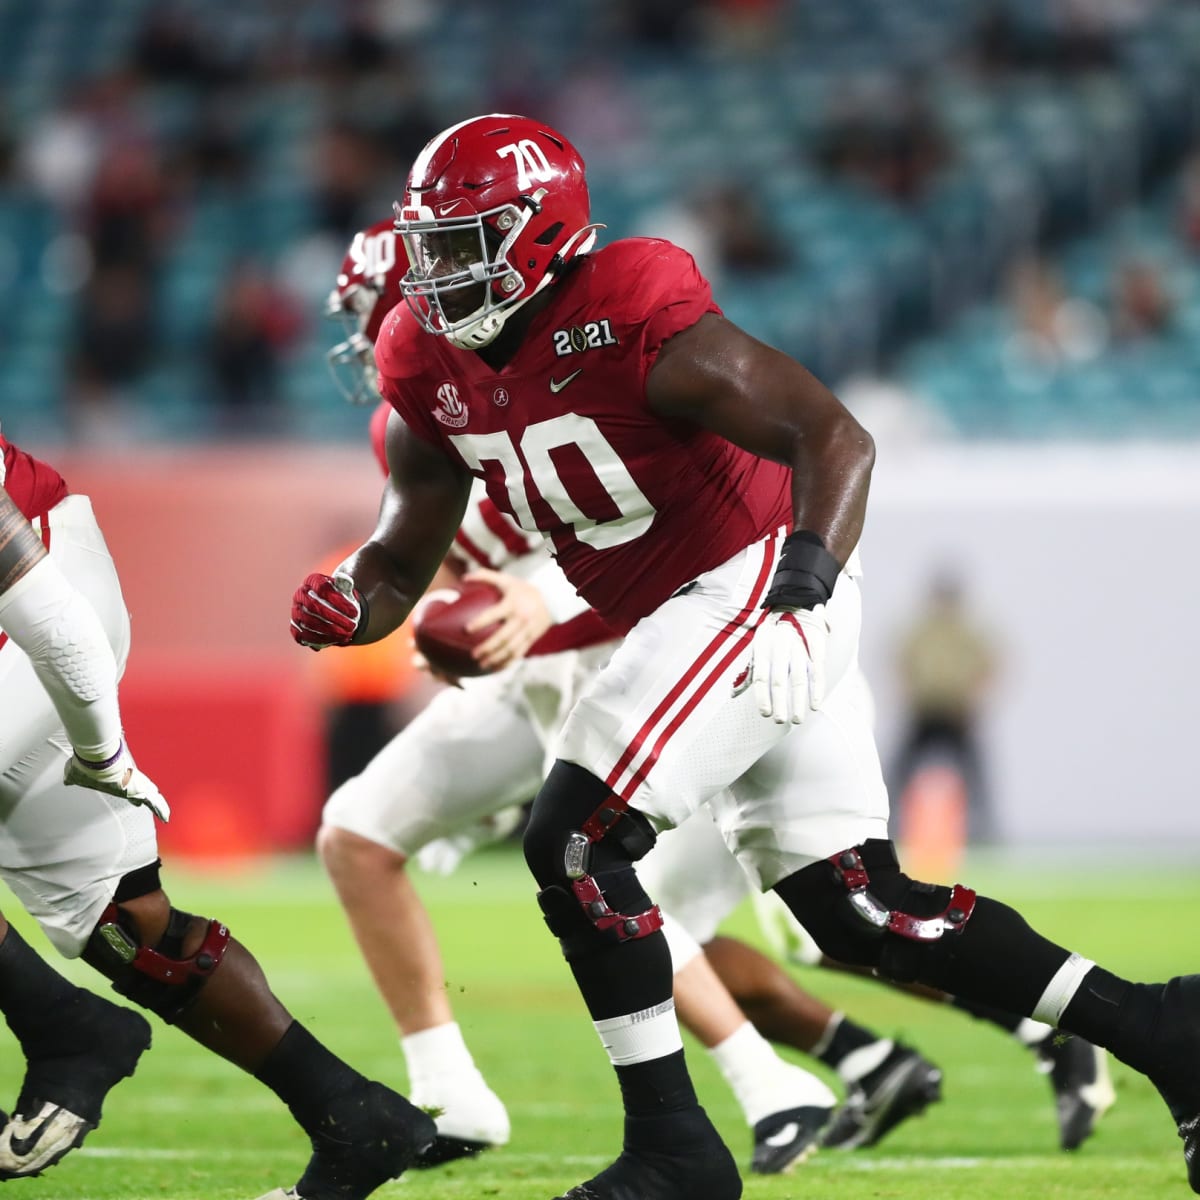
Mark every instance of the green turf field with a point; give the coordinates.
(190, 1127)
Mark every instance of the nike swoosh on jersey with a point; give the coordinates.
(557, 385)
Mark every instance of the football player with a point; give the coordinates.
(420, 797)
(693, 870)
(84, 864)
(705, 494)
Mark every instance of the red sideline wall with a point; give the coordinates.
(222, 708)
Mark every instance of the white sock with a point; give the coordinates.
(761, 1081)
(437, 1052)
(442, 1075)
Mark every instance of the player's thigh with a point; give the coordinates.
(692, 875)
(64, 850)
(818, 791)
(669, 721)
(469, 753)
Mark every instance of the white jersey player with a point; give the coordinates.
(83, 860)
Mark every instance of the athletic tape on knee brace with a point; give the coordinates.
(158, 978)
(904, 934)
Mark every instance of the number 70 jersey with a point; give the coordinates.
(633, 506)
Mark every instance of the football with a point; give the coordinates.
(440, 626)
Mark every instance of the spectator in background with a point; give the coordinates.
(1051, 326)
(883, 132)
(254, 326)
(126, 215)
(743, 238)
(344, 172)
(8, 146)
(114, 345)
(947, 664)
(725, 229)
(659, 24)
(1142, 305)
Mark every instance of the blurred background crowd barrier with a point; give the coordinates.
(977, 220)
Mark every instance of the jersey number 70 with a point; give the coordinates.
(529, 469)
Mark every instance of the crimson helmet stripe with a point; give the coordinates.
(421, 164)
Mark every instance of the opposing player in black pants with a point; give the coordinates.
(705, 494)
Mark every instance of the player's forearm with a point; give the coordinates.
(388, 587)
(65, 642)
(831, 476)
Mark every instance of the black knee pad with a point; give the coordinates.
(598, 911)
(156, 977)
(574, 801)
(581, 843)
(863, 910)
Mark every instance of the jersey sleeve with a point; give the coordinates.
(378, 434)
(673, 297)
(400, 358)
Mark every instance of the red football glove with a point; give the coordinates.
(326, 611)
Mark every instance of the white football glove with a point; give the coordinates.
(119, 776)
(787, 663)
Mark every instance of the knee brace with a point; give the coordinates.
(157, 977)
(862, 909)
(581, 844)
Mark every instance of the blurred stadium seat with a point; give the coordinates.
(1034, 157)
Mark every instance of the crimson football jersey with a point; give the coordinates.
(34, 487)
(634, 506)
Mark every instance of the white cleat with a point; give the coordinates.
(28, 1145)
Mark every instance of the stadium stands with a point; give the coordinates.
(908, 152)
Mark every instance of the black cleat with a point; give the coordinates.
(370, 1135)
(443, 1150)
(1175, 1054)
(785, 1139)
(902, 1086)
(96, 1046)
(1083, 1090)
(1190, 1132)
(676, 1156)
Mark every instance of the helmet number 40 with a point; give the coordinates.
(530, 160)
